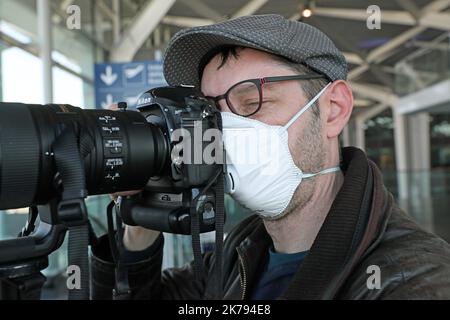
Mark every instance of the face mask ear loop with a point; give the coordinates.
(310, 103)
(329, 170)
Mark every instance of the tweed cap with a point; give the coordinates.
(299, 42)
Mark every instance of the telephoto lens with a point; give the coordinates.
(120, 151)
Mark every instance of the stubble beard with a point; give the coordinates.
(310, 158)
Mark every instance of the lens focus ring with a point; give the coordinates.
(19, 156)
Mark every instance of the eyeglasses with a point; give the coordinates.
(245, 98)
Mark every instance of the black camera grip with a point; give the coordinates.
(155, 218)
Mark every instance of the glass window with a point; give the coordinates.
(22, 76)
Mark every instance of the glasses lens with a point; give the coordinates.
(244, 98)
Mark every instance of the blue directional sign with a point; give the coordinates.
(117, 82)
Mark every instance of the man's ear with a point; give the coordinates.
(339, 107)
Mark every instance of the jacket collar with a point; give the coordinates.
(252, 255)
(354, 222)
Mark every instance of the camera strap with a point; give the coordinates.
(122, 289)
(30, 225)
(72, 210)
(199, 268)
(220, 222)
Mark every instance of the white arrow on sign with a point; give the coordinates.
(109, 101)
(108, 77)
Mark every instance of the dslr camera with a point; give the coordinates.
(53, 156)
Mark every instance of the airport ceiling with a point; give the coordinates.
(407, 26)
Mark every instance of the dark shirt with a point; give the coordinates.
(277, 275)
(275, 279)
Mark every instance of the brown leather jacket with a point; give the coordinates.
(363, 228)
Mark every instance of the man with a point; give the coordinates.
(325, 228)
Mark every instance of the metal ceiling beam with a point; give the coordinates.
(62, 14)
(440, 21)
(117, 20)
(186, 22)
(45, 34)
(295, 17)
(389, 69)
(250, 8)
(140, 29)
(106, 10)
(374, 92)
(353, 58)
(113, 14)
(359, 70)
(65, 4)
(429, 16)
(387, 16)
(437, 5)
(444, 37)
(203, 10)
(383, 77)
(372, 112)
(342, 40)
(362, 103)
(97, 26)
(436, 94)
(356, 55)
(382, 52)
(431, 45)
(408, 70)
(130, 4)
(411, 7)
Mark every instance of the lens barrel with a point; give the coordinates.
(120, 150)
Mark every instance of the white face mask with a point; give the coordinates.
(262, 175)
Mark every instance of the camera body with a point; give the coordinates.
(182, 109)
(185, 117)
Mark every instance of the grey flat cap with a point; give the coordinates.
(296, 41)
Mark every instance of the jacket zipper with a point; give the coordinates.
(242, 276)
